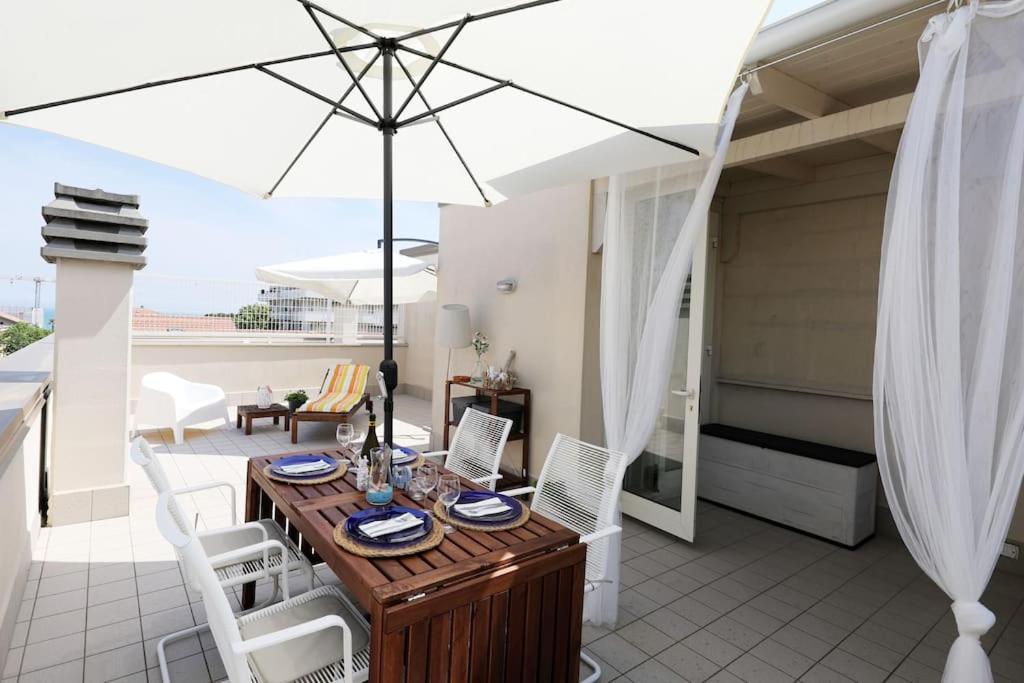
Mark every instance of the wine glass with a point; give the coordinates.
(346, 432)
(416, 488)
(448, 490)
(428, 471)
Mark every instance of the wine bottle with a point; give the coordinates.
(371, 438)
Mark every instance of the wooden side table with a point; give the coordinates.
(509, 479)
(251, 412)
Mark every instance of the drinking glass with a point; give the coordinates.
(417, 488)
(448, 490)
(428, 471)
(346, 432)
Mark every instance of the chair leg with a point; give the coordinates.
(589, 661)
(161, 646)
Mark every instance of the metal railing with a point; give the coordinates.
(174, 307)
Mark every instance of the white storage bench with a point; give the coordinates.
(822, 490)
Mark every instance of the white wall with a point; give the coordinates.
(541, 241)
(239, 368)
(23, 378)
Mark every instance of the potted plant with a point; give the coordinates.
(296, 399)
(480, 346)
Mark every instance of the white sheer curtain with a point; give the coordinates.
(652, 221)
(949, 355)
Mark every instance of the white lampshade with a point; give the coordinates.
(453, 326)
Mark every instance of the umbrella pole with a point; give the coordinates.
(388, 366)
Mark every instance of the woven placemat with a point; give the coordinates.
(522, 519)
(429, 542)
(336, 474)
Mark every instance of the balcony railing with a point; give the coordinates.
(257, 312)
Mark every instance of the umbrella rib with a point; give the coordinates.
(433, 63)
(454, 103)
(180, 79)
(444, 132)
(475, 17)
(553, 100)
(323, 31)
(331, 113)
(326, 12)
(343, 110)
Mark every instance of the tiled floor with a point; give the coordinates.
(753, 602)
(748, 602)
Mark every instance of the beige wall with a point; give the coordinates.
(416, 375)
(541, 241)
(239, 368)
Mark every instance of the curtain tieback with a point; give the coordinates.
(973, 619)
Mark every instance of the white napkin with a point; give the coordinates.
(482, 508)
(304, 467)
(390, 526)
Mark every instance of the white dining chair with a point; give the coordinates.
(476, 449)
(579, 486)
(240, 553)
(315, 637)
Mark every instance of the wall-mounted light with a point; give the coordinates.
(507, 286)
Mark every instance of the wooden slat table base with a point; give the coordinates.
(503, 606)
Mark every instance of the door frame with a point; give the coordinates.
(682, 523)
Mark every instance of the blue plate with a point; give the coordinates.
(403, 456)
(275, 467)
(397, 539)
(500, 518)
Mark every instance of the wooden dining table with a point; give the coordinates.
(482, 606)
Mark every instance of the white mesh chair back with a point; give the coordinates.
(479, 441)
(579, 486)
(218, 611)
(142, 455)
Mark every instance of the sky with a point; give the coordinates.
(198, 228)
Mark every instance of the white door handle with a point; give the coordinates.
(686, 393)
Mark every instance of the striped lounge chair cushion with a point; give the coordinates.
(342, 390)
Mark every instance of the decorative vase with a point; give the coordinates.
(479, 371)
(264, 396)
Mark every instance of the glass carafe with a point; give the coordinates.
(378, 488)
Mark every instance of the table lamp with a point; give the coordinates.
(453, 330)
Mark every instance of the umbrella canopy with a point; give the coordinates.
(301, 99)
(658, 65)
(355, 278)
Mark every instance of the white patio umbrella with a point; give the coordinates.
(355, 278)
(302, 99)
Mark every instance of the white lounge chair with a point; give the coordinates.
(579, 486)
(476, 450)
(316, 637)
(166, 400)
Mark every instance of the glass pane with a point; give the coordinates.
(657, 474)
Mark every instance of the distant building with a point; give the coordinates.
(298, 310)
(146, 320)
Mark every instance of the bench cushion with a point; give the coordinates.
(785, 444)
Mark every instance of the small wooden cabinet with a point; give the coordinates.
(509, 478)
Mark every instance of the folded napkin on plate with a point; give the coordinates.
(390, 526)
(305, 467)
(482, 508)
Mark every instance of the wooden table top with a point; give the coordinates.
(315, 510)
(270, 411)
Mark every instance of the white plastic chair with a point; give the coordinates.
(579, 487)
(476, 450)
(316, 637)
(240, 553)
(166, 400)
